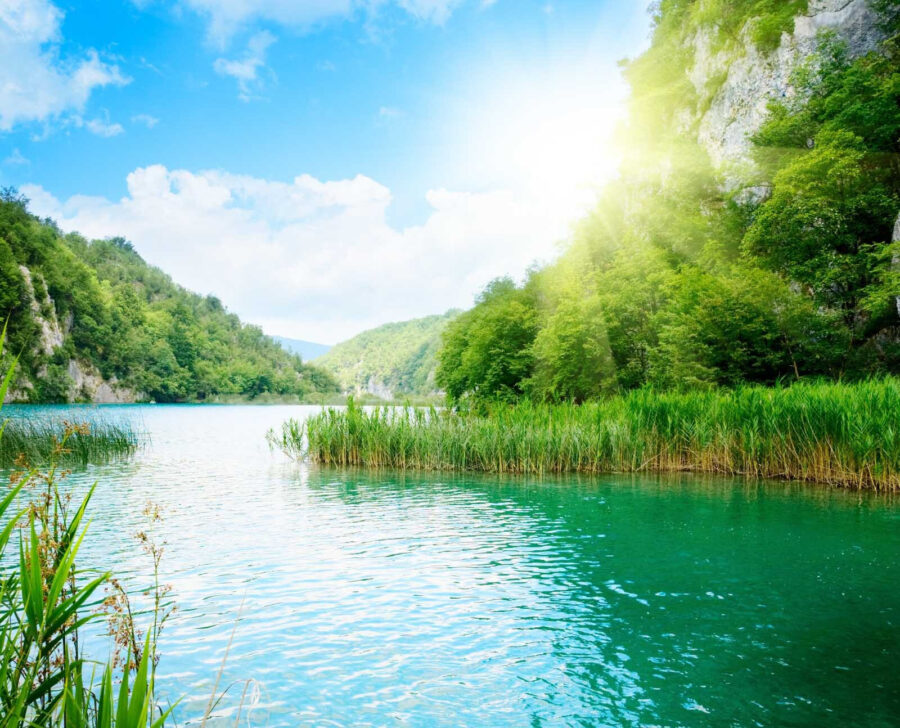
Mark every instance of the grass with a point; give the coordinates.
(46, 681)
(38, 442)
(840, 434)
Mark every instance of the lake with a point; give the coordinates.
(415, 599)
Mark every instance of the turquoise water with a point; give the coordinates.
(375, 599)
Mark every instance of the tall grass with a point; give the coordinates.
(46, 601)
(840, 434)
(38, 442)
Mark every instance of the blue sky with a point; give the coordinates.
(321, 165)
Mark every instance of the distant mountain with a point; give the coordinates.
(308, 350)
(391, 360)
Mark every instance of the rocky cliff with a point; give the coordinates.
(88, 385)
(735, 84)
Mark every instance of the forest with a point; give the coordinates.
(692, 275)
(128, 321)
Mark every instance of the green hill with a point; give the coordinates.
(91, 321)
(391, 360)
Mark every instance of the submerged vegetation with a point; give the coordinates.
(40, 442)
(841, 434)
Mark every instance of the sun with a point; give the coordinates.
(548, 135)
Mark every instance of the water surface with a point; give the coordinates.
(378, 599)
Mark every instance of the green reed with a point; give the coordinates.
(841, 434)
(47, 600)
(38, 442)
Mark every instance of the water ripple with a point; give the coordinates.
(432, 600)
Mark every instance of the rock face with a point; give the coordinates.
(51, 333)
(750, 78)
(87, 383)
(90, 385)
(376, 387)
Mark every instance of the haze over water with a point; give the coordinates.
(427, 599)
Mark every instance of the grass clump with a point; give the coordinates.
(47, 600)
(40, 442)
(840, 434)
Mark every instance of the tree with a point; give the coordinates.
(487, 352)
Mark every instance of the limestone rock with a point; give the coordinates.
(743, 83)
(51, 333)
(92, 386)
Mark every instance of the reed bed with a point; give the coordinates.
(37, 442)
(841, 434)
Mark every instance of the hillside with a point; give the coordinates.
(391, 360)
(91, 321)
(307, 350)
(752, 234)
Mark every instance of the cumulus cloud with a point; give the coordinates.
(309, 258)
(36, 83)
(246, 69)
(435, 11)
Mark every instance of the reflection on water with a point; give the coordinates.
(428, 600)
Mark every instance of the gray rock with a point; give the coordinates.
(751, 78)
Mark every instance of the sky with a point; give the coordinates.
(322, 166)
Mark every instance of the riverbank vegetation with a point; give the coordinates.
(84, 310)
(46, 680)
(840, 434)
(48, 602)
(37, 443)
(739, 318)
(689, 275)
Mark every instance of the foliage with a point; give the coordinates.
(488, 351)
(682, 277)
(400, 357)
(842, 434)
(833, 164)
(38, 442)
(128, 321)
(44, 677)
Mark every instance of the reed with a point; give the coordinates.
(39, 442)
(841, 434)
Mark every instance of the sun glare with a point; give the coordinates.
(551, 137)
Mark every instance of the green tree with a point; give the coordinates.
(487, 352)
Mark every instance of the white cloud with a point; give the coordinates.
(314, 259)
(36, 83)
(435, 11)
(103, 128)
(145, 119)
(226, 17)
(16, 158)
(246, 70)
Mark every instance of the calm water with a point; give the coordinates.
(428, 600)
